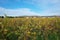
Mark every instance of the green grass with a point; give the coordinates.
(30, 28)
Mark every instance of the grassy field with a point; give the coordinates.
(30, 28)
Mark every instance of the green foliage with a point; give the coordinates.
(30, 28)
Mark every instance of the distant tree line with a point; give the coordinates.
(25, 16)
(12, 16)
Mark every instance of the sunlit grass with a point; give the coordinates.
(30, 28)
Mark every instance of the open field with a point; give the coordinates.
(30, 28)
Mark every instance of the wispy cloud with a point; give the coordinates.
(44, 3)
(50, 12)
(17, 12)
(27, 12)
(49, 7)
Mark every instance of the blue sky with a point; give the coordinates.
(30, 7)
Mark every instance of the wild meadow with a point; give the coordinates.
(39, 28)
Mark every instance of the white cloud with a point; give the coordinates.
(17, 12)
(49, 7)
(28, 12)
(43, 3)
(50, 12)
